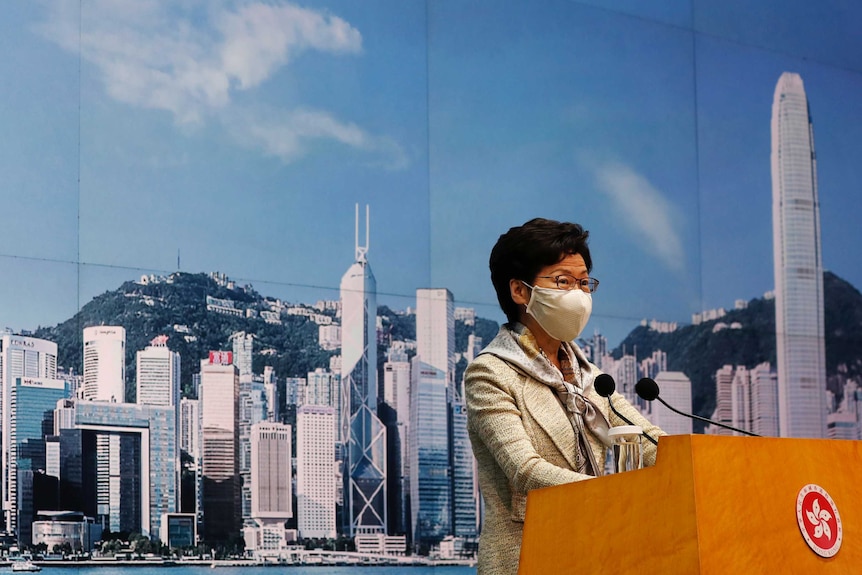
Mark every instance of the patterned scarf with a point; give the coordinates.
(516, 346)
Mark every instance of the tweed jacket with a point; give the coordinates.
(522, 439)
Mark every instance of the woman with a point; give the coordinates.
(533, 416)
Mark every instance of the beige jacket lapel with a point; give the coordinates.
(543, 406)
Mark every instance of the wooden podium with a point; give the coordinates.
(710, 505)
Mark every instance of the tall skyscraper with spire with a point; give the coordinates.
(365, 473)
(799, 320)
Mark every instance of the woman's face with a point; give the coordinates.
(571, 266)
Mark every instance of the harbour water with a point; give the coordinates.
(109, 569)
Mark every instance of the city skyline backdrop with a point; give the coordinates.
(237, 136)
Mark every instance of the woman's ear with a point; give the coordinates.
(519, 292)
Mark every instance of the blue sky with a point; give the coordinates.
(242, 134)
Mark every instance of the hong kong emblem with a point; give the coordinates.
(818, 520)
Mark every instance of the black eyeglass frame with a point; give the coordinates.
(592, 284)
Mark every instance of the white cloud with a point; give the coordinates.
(288, 134)
(259, 38)
(152, 58)
(190, 60)
(644, 210)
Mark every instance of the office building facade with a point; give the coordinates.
(396, 417)
(676, 390)
(219, 403)
(365, 462)
(315, 471)
(271, 472)
(20, 356)
(435, 329)
(142, 478)
(105, 363)
(270, 488)
(31, 406)
(158, 374)
(430, 478)
(798, 266)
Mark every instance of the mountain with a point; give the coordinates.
(199, 313)
(177, 306)
(700, 350)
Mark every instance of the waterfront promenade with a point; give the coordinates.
(299, 557)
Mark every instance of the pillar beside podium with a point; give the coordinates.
(711, 505)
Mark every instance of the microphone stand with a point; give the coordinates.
(703, 419)
(624, 418)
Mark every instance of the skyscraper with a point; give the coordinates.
(321, 388)
(723, 412)
(20, 356)
(190, 442)
(396, 416)
(243, 346)
(435, 329)
(625, 370)
(764, 400)
(798, 267)
(464, 493)
(158, 383)
(270, 486)
(105, 363)
(430, 474)
(271, 471)
(434, 479)
(219, 397)
(365, 477)
(315, 471)
(252, 409)
(270, 390)
(190, 426)
(142, 477)
(158, 374)
(31, 404)
(105, 380)
(676, 390)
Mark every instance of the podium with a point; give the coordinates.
(710, 505)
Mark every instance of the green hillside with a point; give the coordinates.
(176, 306)
(700, 350)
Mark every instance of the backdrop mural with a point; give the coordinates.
(238, 136)
(145, 138)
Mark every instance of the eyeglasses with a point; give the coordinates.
(567, 282)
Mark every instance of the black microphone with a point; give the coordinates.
(647, 389)
(605, 386)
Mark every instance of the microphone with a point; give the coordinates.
(605, 386)
(647, 389)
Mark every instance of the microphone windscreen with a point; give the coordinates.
(605, 385)
(647, 389)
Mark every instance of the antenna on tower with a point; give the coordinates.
(361, 251)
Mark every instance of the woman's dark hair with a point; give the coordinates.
(524, 250)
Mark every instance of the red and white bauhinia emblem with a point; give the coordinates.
(818, 520)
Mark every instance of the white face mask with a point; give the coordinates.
(563, 314)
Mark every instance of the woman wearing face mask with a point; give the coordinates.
(533, 416)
